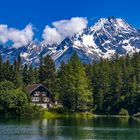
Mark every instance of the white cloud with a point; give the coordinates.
(18, 37)
(51, 35)
(55, 34)
(62, 29)
(3, 33)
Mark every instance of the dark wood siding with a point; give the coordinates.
(42, 94)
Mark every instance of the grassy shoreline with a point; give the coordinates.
(75, 115)
(60, 114)
(49, 115)
(83, 115)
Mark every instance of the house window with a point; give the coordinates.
(36, 93)
(43, 94)
(46, 99)
(35, 99)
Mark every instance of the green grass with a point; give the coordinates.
(49, 115)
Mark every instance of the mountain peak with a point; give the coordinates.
(111, 18)
(113, 24)
(102, 40)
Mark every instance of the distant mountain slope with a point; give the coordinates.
(102, 40)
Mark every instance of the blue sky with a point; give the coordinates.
(19, 13)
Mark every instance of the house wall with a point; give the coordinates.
(41, 96)
(43, 105)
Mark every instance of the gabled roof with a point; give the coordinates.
(32, 87)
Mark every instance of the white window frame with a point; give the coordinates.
(46, 99)
(36, 93)
(35, 99)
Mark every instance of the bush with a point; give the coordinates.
(59, 110)
(33, 111)
(123, 112)
(6, 85)
(12, 102)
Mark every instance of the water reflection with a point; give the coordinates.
(67, 129)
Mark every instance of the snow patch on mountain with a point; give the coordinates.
(102, 40)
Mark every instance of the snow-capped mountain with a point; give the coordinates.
(102, 40)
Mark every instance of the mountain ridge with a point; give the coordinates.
(102, 40)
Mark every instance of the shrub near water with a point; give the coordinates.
(60, 112)
(123, 112)
(12, 100)
(15, 102)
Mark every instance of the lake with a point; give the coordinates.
(70, 129)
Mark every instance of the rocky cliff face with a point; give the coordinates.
(102, 40)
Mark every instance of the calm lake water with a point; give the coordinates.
(70, 129)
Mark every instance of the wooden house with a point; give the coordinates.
(40, 95)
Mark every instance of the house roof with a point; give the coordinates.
(32, 87)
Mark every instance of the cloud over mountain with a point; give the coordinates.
(108, 36)
(63, 29)
(18, 37)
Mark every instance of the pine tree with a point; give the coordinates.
(131, 94)
(95, 83)
(1, 69)
(36, 75)
(7, 70)
(18, 74)
(116, 87)
(47, 73)
(31, 75)
(25, 74)
(100, 101)
(136, 66)
(76, 94)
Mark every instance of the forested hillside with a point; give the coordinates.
(104, 87)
